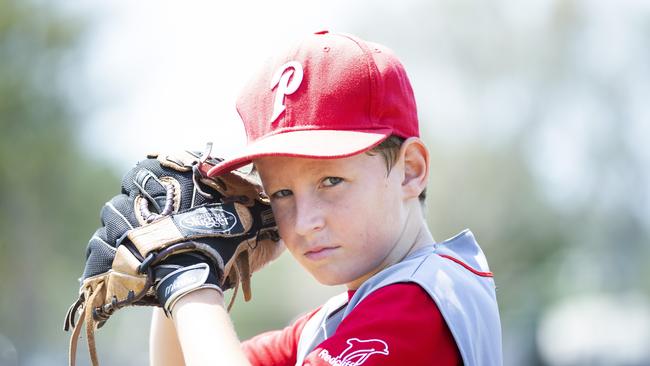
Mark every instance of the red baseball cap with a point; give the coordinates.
(331, 96)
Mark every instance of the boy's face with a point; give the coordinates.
(342, 219)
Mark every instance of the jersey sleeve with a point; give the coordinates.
(276, 348)
(396, 325)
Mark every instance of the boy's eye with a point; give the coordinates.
(332, 181)
(281, 193)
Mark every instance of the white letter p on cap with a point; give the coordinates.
(286, 85)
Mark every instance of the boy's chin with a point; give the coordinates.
(333, 279)
(329, 281)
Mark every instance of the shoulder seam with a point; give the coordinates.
(467, 266)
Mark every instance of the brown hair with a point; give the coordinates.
(389, 149)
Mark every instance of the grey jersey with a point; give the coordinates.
(455, 274)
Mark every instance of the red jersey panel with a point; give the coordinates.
(277, 347)
(396, 325)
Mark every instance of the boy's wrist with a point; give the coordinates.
(200, 297)
(202, 323)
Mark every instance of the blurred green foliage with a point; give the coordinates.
(50, 191)
(593, 239)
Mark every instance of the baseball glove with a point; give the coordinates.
(170, 232)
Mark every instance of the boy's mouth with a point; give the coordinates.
(320, 252)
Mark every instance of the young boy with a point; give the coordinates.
(333, 133)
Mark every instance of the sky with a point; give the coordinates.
(167, 73)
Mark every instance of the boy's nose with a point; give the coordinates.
(309, 217)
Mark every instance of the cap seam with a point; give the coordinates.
(373, 75)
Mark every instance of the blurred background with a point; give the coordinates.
(536, 113)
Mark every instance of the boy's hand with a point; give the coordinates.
(172, 231)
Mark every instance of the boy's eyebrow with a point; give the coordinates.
(275, 179)
(313, 168)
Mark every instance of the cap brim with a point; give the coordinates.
(318, 144)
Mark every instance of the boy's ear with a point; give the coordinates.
(415, 157)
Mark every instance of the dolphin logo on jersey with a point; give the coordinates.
(287, 80)
(357, 353)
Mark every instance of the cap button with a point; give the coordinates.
(325, 31)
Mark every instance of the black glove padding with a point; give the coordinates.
(181, 274)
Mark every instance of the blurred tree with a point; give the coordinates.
(49, 190)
